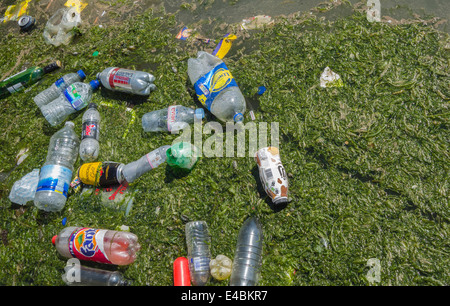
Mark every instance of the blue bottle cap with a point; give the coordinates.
(261, 90)
(94, 84)
(200, 113)
(238, 117)
(81, 74)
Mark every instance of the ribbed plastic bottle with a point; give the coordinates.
(74, 98)
(89, 146)
(199, 255)
(57, 88)
(171, 119)
(216, 88)
(125, 80)
(248, 256)
(99, 245)
(146, 163)
(56, 174)
(89, 276)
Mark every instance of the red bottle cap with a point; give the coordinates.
(181, 276)
(54, 239)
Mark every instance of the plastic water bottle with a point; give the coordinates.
(171, 119)
(248, 256)
(56, 174)
(74, 98)
(89, 146)
(55, 90)
(199, 255)
(87, 276)
(99, 245)
(129, 81)
(146, 163)
(216, 88)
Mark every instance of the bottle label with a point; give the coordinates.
(87, 244)
(213, 83)
(55, 178)
(272, 173)
(119, 78)
(90, 130)
(99, 174)
(154, 158)
(59, 82)
(74, 97)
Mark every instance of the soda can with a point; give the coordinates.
(272, 174)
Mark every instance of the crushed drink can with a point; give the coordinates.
(272, 174)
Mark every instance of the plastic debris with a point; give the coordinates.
(15, 11)
(221, 267)
(58, 29)
(184, 33)
(26, 23)
(24, 189)
(256, 22)
(77, 4)
(224, 46)
(330, 79)
(261, 90)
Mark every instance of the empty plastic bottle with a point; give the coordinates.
(74, 98)
(129, 81)
(56, 174)
(110, 173)
(146, 163)
(216, 88)
(199, 255)
(248, 256)
(171, 119)
(57, 88)
(93, 277)
(89, 146)
(99, 245)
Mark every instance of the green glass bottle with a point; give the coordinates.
(25, 78)
(182, 156)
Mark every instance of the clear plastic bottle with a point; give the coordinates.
(182, 156)
(56, 174)
(216, 88)
(171, 119)
(125, 80)
(99, 245)
(151, 160)
(96, 277)
(199, 255)
(74, 98)
(248, 256)
(89, 146)
(55, 90)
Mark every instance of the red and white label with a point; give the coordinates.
(120, 78)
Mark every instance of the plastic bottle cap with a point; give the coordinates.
(94, 84)
(238, 117)
(199, 113)
(81, 74)
(54, 239)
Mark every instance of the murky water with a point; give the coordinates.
(214, 13)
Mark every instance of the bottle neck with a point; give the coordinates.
(52, 67)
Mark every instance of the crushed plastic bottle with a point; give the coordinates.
(199, 255)
(89, 146)
(272, 175)
(99, 245)
(105, 174)
(221, 267)
(182, 156)
(56, 174)
(171, 119)
(58, 29)
(74, 98)
(216, 88)
(87, 276)
(125, 80)
(248, 256)
(57, 88)
(24, 189)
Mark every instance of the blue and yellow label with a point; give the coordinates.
(55, 178)
(214, 82)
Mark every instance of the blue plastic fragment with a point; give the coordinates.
(261, 90)
(64, 221)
